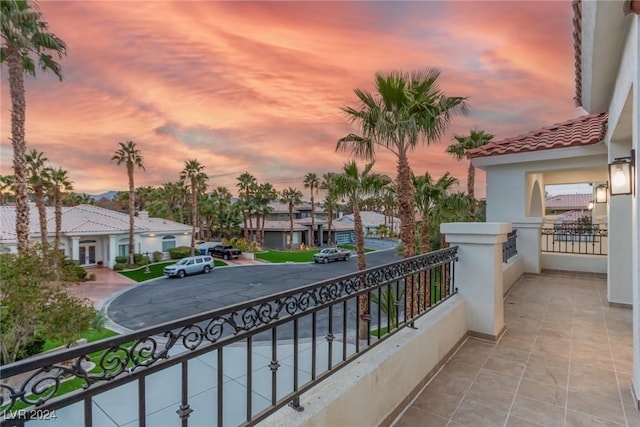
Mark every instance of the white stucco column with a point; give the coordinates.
(528, 242)
(478, 273)
(113, 247)
(75, 248)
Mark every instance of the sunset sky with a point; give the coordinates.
(257, 87)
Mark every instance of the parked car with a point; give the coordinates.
(190, 265)
(331, 254)
(224, 251)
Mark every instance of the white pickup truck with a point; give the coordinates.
(331, 254)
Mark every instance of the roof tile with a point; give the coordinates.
(583, 130)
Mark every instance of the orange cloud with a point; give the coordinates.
(258, 86)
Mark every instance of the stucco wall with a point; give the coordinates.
(379, 380)
(512, 271)
(574, 262)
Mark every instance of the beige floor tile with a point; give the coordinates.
(505, 366)
(514, 421)
(517, 341)
(417, 417)
(603, 405)
(444, 383)
(516, 355)
(552, 347)
(547, 370)
(490, 397)
(458, 369)
(533, 410)
(474, 415)
(441, 404)
(633, 415)
(587, 377)
(490, 380)
(543, 392)
(581, 419)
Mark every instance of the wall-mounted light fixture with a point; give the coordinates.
(590, 206)
(621, 175)
(601, 193)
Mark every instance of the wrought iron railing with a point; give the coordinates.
(509, 248)
(575, 238)
(231, 366)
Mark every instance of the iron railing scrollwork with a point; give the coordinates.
(509, 248)
(326, 309)
(575, 238)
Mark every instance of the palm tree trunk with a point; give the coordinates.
(406, 212)
(42, 213)
(363, 305)
(291, 227)
(425, 243)
(251, 229)
(18, 105)
(313, 221)
(244, 223)
(262, 238)
(329, 227)
(194, 216)
(58, 215)
(132, 210)
(471, 178)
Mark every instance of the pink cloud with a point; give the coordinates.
(258, 86)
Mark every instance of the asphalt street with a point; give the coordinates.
(165, 299)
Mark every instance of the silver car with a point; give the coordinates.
(190, 265)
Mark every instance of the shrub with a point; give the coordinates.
(137, 259)
(92, 277)
(179, 252)
(119, 266)
(72, 272)
(122, 259)
(98, 320)
(157, 256)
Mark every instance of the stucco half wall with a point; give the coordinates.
(369, 390)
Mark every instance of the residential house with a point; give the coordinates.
(371, 221)
(277, 227)
(92, 235)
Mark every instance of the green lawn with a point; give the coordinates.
(156, 270)
(353, 248)
(90, 335)
(287, 256)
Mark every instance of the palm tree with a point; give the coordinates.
(330, 201)
(292, 197)
(265, 194)
(311, 182)
(407, 108)
(24, 36)
(60, 184)
(431, 201)
(459, 150)
(129, 154)
(7, 189)
(38, 181)
(247, 185)
(195, 179)
(354, 185)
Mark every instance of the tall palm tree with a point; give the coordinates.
(407, 108)
(247, 185)
(195, 179)
(354, 185)
(292, 197)
(330, 201)
(311, 182)
(7, 188)
(459, 150)
(431, 203)
(129, 155)
(265, 194)
(38, 181)
(25, 40)
(60, 184)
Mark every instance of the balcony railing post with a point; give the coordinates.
(479, 273)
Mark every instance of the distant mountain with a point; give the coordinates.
(109, 195)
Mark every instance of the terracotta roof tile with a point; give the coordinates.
(584, 130)
(569, 201)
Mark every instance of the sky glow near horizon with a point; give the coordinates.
(258, 87)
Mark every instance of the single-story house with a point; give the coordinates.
(371, 221)
(94, 235)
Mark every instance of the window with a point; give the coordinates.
(168, 242)
(123, 247)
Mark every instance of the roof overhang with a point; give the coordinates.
(604, 27)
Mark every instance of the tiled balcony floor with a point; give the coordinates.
(565, 360)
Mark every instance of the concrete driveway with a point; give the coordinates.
(164, 300)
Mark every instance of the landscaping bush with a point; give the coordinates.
(98, 320)
(72, 272)
(179, 252)
(137, 259)
(31, 348)
(119, 266)
(122, 259)
(157, 256)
